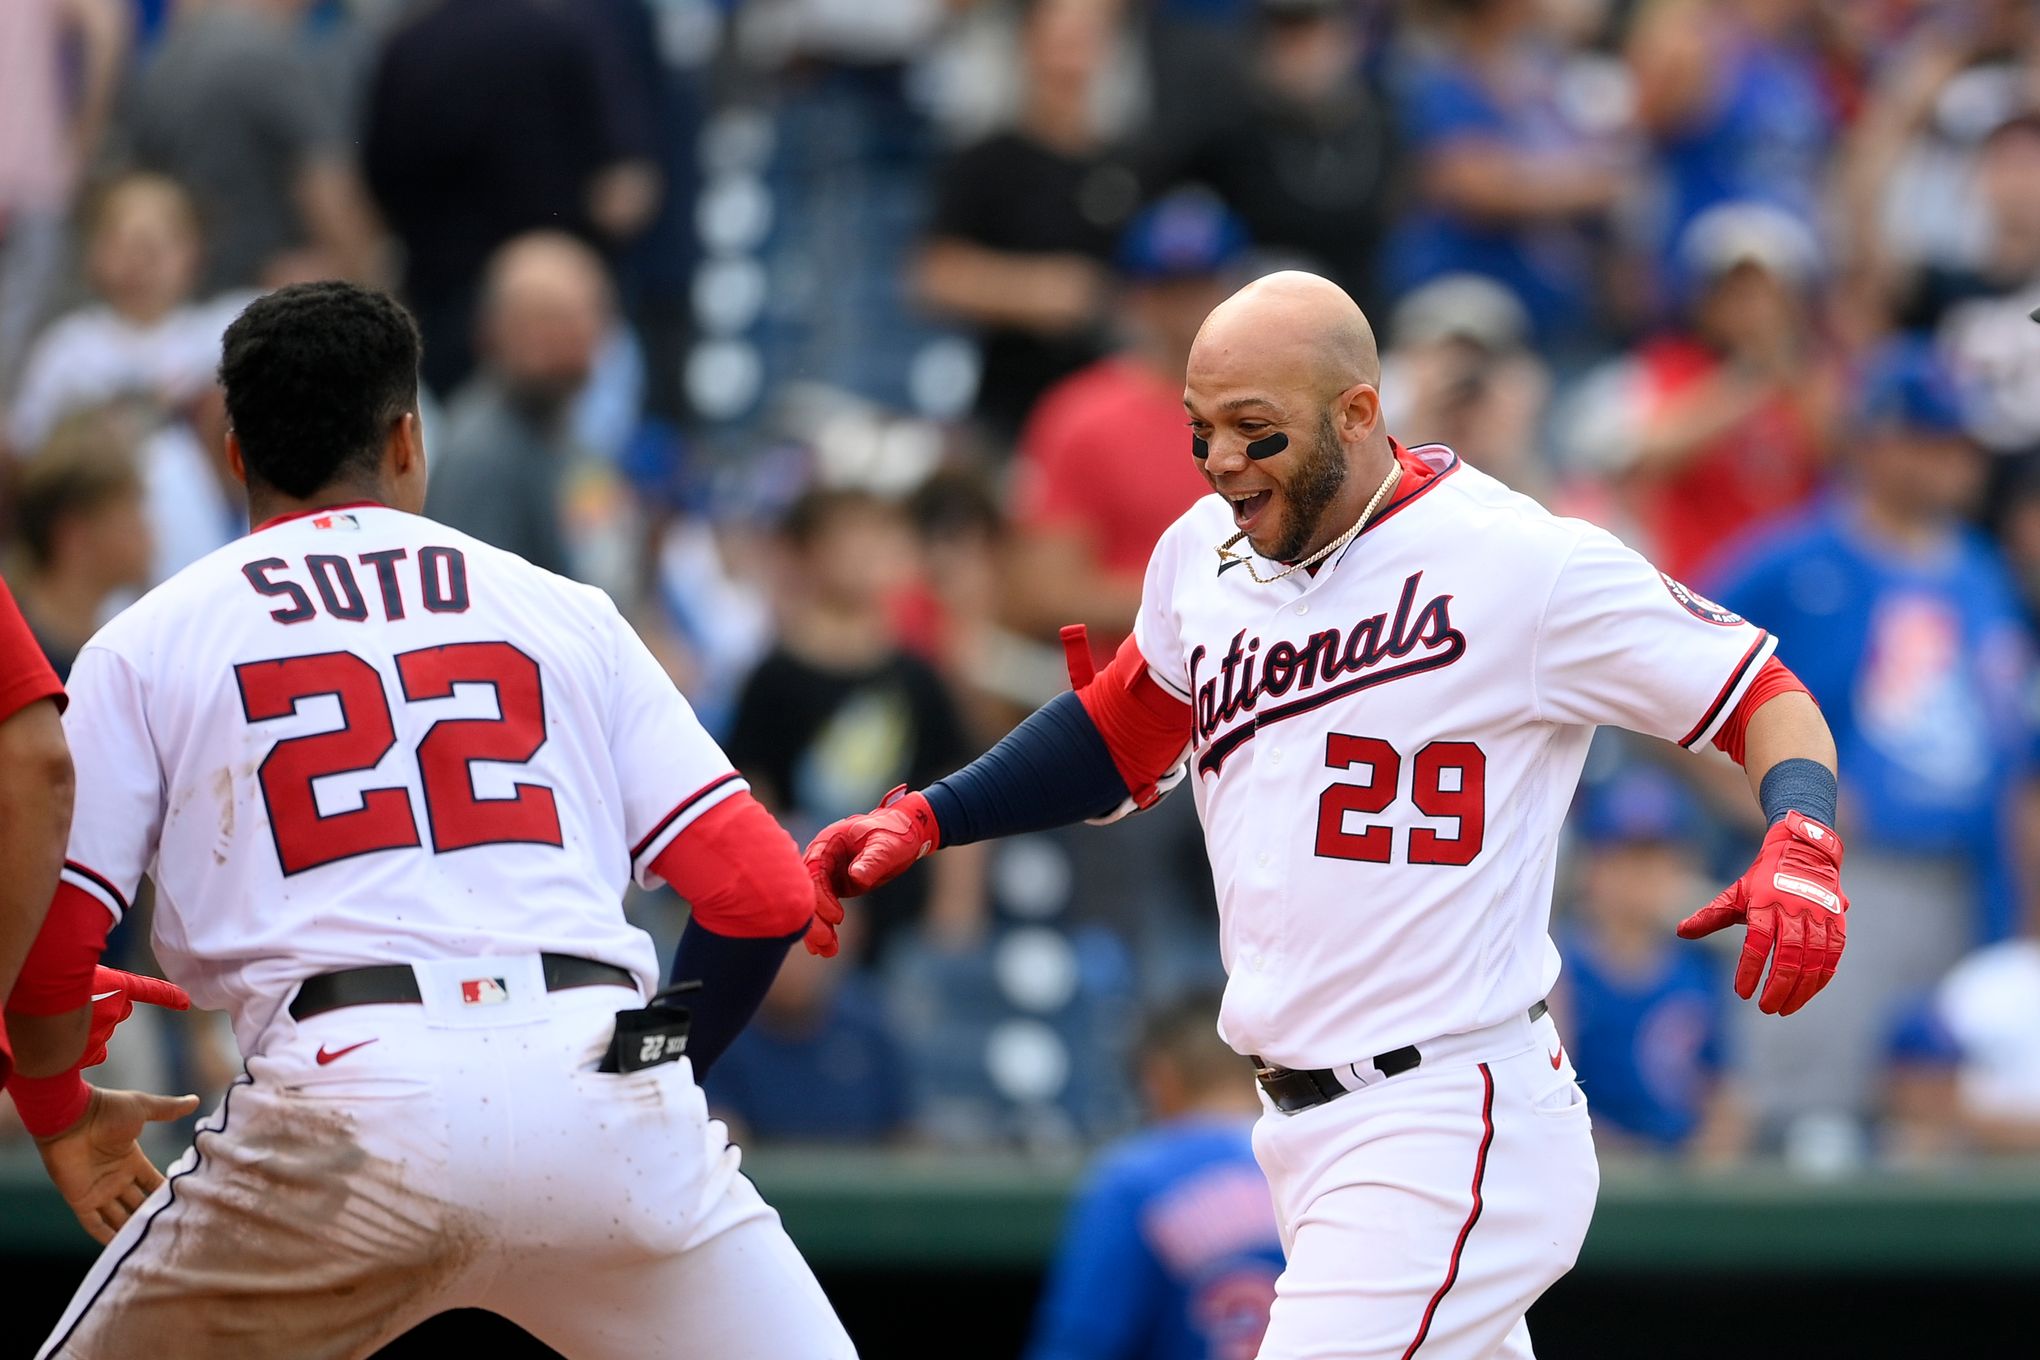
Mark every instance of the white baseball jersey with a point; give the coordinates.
(357, 736)
(1385, 750)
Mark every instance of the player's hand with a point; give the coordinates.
(821, 932)
(857, 854)
(114, 994)
(98, 1165)
(1791, 902)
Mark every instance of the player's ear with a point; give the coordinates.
(1357, 412)
(236, 463)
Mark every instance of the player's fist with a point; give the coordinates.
(851, 857)
(1794, 911)
(114, 994)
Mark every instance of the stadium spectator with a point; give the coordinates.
(1104, 461)
(819, 1063)
(229, 106)
(504, 463)
(1509, 180)
(1025, 222)
(1306, 158)
(60, 62)
(837, 712)
(144, 339)
(1731, 415)
(1460, 372)
(1643, 1015)
(458, 176)
(1170, 1251)
(84, 532)
(1989, 1006)
(1906, 627)
(1737, 104)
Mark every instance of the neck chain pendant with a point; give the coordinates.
(1226, 553)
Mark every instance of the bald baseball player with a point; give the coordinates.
(390, 783)
(1379, 669)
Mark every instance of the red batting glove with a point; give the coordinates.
(1790, 899)
(821, 938)
(855, 855)
(114, 994)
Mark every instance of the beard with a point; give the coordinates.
(1320, 474)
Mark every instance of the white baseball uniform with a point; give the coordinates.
(1384, 754)
(357, 737)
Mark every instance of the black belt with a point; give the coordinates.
(1292, 1089)
(395, 983)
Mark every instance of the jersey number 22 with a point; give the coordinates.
(306, 839)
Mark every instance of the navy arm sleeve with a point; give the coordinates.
(1051, 770)
(734, 973)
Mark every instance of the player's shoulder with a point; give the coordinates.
(1196, 532)
(1486, 511)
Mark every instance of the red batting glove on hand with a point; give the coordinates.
(821, 932)
(851, 857)
(1791, 898)
(114, 994)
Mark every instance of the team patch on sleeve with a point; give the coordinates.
(1698, 605)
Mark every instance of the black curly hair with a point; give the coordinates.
(315, 375)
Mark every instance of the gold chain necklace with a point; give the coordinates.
(1226, 554)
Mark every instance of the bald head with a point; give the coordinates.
(1293, 324)
(545, 308)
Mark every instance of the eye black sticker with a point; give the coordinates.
(1268, 447)
(1199, 449)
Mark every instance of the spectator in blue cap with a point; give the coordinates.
(1644, 1018)
(1905, 624)
(1104, 461)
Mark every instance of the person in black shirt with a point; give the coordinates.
(836, 713)
(1306, 160)
(1025, 223)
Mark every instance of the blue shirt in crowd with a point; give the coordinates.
(1170, 1252)
(842, 1079)
(1922, 667)
(1441, 100)
(1647, 1047)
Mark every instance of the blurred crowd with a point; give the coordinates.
(841, 341)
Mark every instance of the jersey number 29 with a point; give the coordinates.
(1448, 779)
(306, 839)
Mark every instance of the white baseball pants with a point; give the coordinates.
(433, 1160)
(1423, 1214)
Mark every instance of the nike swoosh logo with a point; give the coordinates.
(98, 997)
(1557, 1058)
(325, 1057)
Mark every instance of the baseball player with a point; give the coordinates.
(390, 783)
(1379, 670)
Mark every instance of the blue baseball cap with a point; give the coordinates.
(1186, 234)
(1638, 803)
(1906, 385)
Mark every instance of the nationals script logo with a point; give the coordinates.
(1325, 666)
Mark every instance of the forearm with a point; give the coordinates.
(1051, 770)
(1786, 729)
(46, 1045)
(734, 973)
(36, 785)
(1049, 294)
(102, 28)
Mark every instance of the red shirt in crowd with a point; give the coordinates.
(1766, 463)
(1107, 453)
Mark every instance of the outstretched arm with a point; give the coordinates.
(1076, 758)
(1791, 900)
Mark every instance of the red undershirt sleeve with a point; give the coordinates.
(740, 871)
(1146, 728)
(1773, 680)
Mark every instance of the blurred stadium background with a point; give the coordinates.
(840, 341)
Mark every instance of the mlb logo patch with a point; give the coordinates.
(342, 520)
(483, 992)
